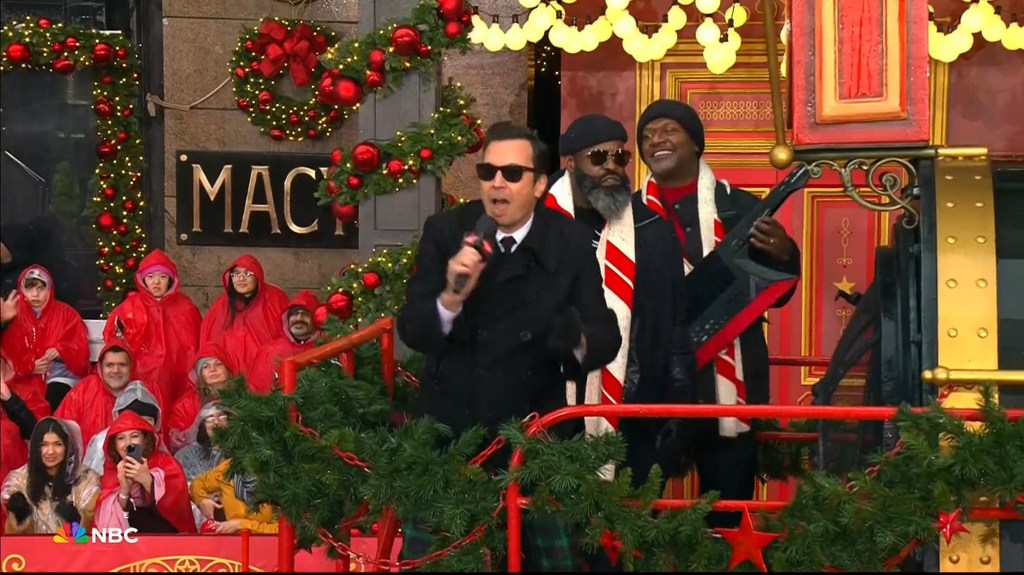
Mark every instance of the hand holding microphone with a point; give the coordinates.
(465, 267)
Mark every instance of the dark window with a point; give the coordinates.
(1009, 205)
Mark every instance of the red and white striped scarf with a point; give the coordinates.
(616, 254)
(730, 388)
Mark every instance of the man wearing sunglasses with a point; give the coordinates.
(644, 283)
(683, 189)
(531, 309)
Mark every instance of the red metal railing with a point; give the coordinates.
(798, 361)
(515, 501)
(341, 348)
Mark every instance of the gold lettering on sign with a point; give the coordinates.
(339, 230)
(288, 201)
(263, 173)
(223, 181)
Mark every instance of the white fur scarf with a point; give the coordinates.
(619, 242)
(730, 360)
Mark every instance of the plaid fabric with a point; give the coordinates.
(547, 544)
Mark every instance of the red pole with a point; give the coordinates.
(387, 528)
(285, 530)
(515, 523)
(245, 551)
(387, 357)
(348, 362)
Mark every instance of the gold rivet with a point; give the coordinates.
(977, 177)
(950, 204)
(951, 283)
(980, 239)
(954, 559)
(979, 204)
(952, 332)
(183, 237)
(948, 177)
(982, 332)
(951, 239)
(983, 500)
(982, 283)
(984, 559)
(183, 158)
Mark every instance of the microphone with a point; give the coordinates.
(486, 228)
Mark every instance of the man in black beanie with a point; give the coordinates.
(683, 189)
(644, 283)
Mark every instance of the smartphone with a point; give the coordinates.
(134, 451)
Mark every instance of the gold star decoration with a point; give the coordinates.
(845, 286)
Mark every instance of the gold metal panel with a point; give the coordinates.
(939, 102)
(968, 333)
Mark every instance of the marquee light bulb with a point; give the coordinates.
(719, 57)
(973, 19)
(529, 4)
(558, 34)
(1013, 38)
(708, 32)
(994, 28)
(708, 6)
(676, 18)
(738, 14)
(617, 4)
(625, 26)
(515, 37)
(495, 39)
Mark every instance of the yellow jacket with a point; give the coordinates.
(214, 482)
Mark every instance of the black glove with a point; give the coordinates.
(19, 507)
(565, 331)
(674, 447)
(68, 512)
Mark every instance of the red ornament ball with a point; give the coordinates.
(348, 92)
(18, 54)
(395, 168)
(108, 284)
(426, 154)
(104, 251)
(129, 206)
(109, 193)
(366, 157)
(136, 244)
(240, 72)
(353, 532)
(340, 302)
(312, 114)
(332, 188)
(63, 66)
(44, 23)
(374, 79)
(263, 108)
(127, 112)
(466, 18)
(451, 9)
(122, 137)
(336, 157)
(57, 47)
(277, 134)
(374, 528)
(423, 51)
(105, 268)
(122, 229)
(243, 104)
(405, 40)
(106, 151)
(117, 250)
(453, 29)
(104, 176)
(105, 222)
(249, 45)
(122, 53)
(467, 120)
(354, 182)
(333, 116)
(265, 98)
(107, 80)
(311, 133)
(345, 213)
(320, 315)
(376, 59)
(254, 66)
(71, 43)
(103, 108)
(479, 143)
(102, 54)
(371, 280)
(131, 263)
(294, 119)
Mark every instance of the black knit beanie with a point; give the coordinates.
(678, 111)
(590, 130)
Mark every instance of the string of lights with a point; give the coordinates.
(947, 40)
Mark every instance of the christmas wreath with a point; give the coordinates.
(116, 209)
(339, 75)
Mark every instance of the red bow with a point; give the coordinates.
(612, 547)
(297, 48)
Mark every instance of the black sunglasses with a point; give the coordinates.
(598, 156)
(511, 173)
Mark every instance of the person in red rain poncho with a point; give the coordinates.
(211, 371)
(91, 402)
(16, 425)
(46, 340)
(300, 334)
(247, 316)
(160, 325)
(146, 491)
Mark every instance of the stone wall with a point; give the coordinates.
(199, 37)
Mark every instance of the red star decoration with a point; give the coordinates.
(747, 544)
(949, 524)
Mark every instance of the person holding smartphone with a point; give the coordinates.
(142, 487)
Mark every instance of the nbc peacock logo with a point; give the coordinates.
(71, 533)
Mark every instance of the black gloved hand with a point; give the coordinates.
(19, 507)
(68, 512)
(565, 331)
(674, 447)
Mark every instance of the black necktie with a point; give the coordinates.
(507, 243)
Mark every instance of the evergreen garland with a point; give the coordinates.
(856, 523)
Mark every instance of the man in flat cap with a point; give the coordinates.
(644, 283)
(683, 189)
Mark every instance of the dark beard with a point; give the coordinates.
(608, 201)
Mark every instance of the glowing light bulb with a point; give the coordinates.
(708, 32)
(625, 26)
(588, 39)
(708, 6)
(495, 39)
(479, 31)
(533, 29)
(617, 4)
(961, 40)
(515, 37)
(676, 18)
(719, 57)
(558, 34)
(685, 2)
(733, 40)
(973, 19)
(1013, 38)
(602, 29)
(994, 28)
(529, 4)
(738, 14)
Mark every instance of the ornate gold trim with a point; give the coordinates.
(939, 102)
(968, 315)
(887, 184)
